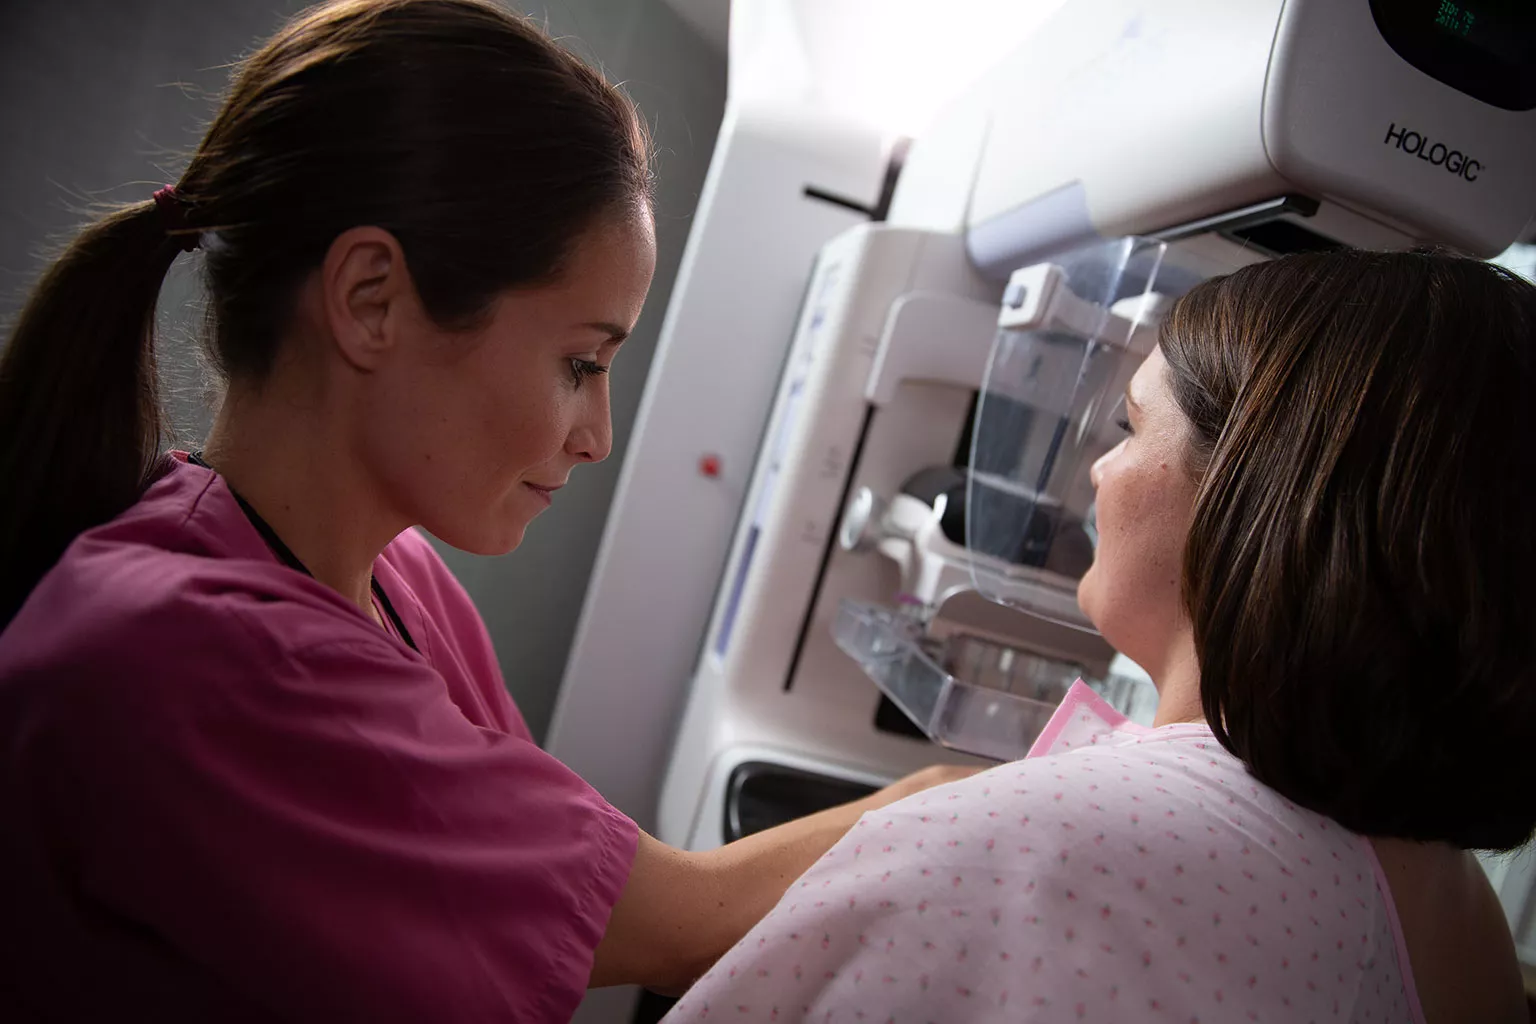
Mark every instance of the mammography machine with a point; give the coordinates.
(900, 564)
(1295, 126)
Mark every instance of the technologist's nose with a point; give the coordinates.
(591, 439)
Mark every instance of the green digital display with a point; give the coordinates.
(1455, 19)
(1483, 48)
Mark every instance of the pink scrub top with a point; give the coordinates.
(230, 796)
(1116, 874)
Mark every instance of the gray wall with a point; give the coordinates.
(99, 99)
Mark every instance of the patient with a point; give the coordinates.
(1319, 538)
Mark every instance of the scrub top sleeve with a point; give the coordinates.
(330, 835)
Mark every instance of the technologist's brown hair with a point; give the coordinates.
(461, 128)
(1362, 561)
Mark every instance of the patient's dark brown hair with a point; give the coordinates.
(1362, 558)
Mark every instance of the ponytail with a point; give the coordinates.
(80, 419)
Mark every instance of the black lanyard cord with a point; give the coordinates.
(285, 555)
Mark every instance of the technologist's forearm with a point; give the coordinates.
(754, 872)
(680, 911)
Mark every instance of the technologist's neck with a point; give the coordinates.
(290, 461)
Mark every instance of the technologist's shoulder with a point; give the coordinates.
(115, 624)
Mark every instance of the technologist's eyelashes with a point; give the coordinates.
(582, 369)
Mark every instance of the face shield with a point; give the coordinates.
(972, 675)
(1070, 335)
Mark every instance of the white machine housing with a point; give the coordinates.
(1126, 118)
(771, 681)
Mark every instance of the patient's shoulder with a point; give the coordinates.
(1458, 943)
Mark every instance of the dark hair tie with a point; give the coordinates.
(173, 213)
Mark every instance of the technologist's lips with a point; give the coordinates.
(544, 494)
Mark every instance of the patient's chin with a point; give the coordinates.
(1088, 596)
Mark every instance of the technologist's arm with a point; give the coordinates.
(680, 911)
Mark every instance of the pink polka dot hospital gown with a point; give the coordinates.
(1117, 873)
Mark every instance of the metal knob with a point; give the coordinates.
(860, 526)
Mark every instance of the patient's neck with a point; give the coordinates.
(1178, 683)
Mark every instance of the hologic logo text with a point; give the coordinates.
(1437, 153)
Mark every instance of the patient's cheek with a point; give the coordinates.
(1132, 591)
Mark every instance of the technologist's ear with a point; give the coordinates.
(365, 288)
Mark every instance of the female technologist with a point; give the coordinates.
(256, 758)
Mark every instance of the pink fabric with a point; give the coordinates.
(230, 796)
(1399, 941)
(1117, 873)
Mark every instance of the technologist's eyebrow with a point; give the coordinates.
(616, 334)
(1130, 399)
